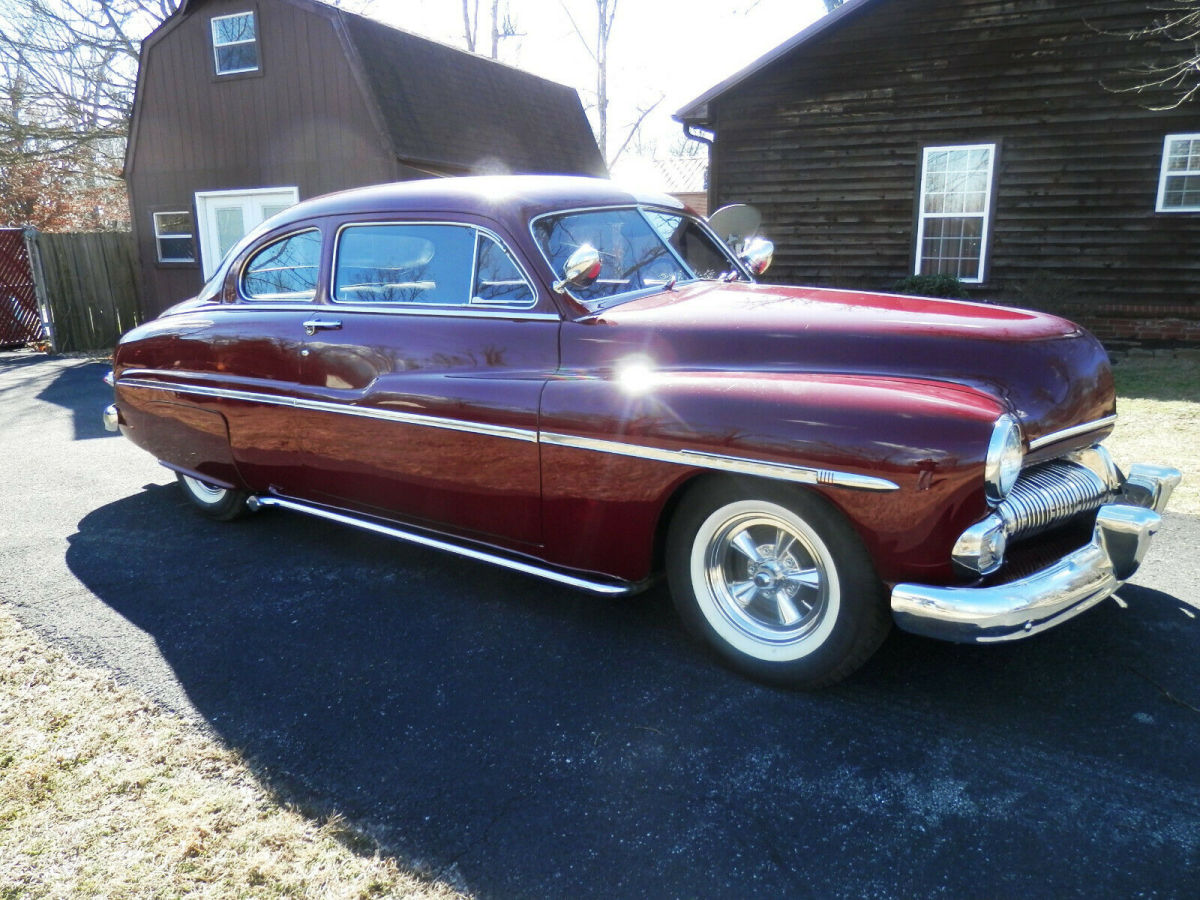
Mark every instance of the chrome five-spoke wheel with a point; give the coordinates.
(776, 581)
(767, 576)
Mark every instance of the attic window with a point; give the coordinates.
(1179, 178)
(235, 44)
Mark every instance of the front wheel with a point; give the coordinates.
(215, 502)
(776, 581)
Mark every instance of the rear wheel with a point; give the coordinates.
(215, 502)
(776, 581)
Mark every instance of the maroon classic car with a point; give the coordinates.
(588, 385)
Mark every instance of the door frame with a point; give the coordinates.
(251, 200)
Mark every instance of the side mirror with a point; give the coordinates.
(580, 270)
(757, 254)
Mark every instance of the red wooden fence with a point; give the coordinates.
(20, 321)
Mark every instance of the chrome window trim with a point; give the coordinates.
(419, 308)
(474, 312)
(267, 301)
(617, 299)
(1074, 431)
(244, 307)
(696, 458)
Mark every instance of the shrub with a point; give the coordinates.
(931, 286)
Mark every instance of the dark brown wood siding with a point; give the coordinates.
(827, 142)
(301, 121)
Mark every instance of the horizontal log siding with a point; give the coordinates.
(827, 142)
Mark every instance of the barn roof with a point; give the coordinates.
(438, 105)
(696, 112)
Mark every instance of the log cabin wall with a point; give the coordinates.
(827, 141)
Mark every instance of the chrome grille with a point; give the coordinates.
(1050, 494)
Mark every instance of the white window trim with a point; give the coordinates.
(217, 46)
(1163, 174)
(159, 236)
(985, 230)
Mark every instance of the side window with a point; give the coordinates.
(173, 237)
(427, 264)
(1179, 177)
(633, 254)
(693, 245)
(235, 44)
(284, 270)
(498, 281)
(952, 222)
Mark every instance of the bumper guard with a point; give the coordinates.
(1075, 583)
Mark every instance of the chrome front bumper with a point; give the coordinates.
(1080, 580)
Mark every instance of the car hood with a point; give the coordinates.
(1049, 372)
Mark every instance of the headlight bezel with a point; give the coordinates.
(1005, 456)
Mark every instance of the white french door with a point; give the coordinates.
(225, 216)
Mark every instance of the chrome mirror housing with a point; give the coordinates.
(581, 269)
(757, 254)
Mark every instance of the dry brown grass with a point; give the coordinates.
(1158, 407)
(104, 795)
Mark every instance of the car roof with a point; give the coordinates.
(496, 195)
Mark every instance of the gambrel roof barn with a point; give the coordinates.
(246, 106)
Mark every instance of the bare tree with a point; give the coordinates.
(470, 9)
(1171, 76)
(48, 178)
(503, 25)
(79, 60)
(606, 14)
(69, 72)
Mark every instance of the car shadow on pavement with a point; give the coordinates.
(78, 386)
(520, 738)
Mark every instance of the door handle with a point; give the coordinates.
(312, 326)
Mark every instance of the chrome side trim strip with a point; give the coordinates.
(718, 462)
(610, 589)
(698, 458)
(387, 415)
(1047, 439)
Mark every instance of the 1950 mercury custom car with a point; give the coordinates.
(577, 382)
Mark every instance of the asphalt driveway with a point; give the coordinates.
(523, 739)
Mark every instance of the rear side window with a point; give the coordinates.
(498, 281)
(284, 270)
(426, 264)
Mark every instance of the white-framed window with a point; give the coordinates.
(1179, 178)
(235, 43)
(173, 237)
(953, 216)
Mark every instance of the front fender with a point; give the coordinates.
(640, 433)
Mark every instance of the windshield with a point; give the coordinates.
(640, 249)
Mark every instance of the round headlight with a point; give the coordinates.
(1004, 458)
